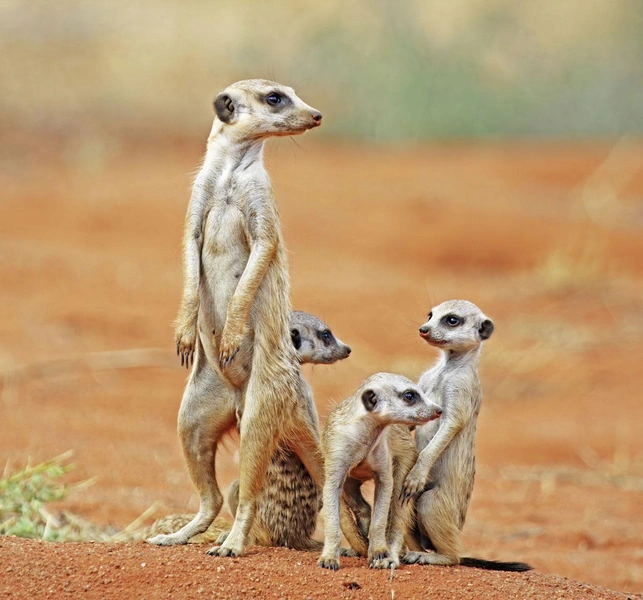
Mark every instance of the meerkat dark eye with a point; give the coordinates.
(273, 99)
(411, 396)
(326, 336)
(452, 320)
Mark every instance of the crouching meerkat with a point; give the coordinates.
(288, 504)
(364, 438)
(444, 473)
(233, 321)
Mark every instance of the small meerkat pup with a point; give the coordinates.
(233, 321)
(444, 473)
(288, 504)
(361, 441)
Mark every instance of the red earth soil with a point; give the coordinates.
(546, 239)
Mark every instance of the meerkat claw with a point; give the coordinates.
(328, 563)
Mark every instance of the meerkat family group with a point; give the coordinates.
(236, 331)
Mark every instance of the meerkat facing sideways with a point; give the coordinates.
(233, 320)
(447, 448)
(363, 439)
(288, 504)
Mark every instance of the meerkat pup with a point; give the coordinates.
(361, 441)
(288, 504)
(233, 321)
(444, 473)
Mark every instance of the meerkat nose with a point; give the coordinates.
(317, 117)
(348, 349)
(424, 329)
(438, 411)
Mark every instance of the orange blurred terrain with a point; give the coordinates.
(545, 238)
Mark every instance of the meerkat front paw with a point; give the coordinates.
(413, 485)
(328, 562)
(230, 343)
(185, 345)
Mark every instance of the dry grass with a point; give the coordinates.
(24, 511)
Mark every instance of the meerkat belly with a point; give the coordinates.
(454, 472)
(223, 261)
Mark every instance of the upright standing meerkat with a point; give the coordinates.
(445, 467)
(363, 439)
(233, 320)
(288, 504)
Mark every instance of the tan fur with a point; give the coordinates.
(447, 447)
(233, 321)
(364, 439)
(288, 504)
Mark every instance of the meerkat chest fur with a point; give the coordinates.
(455, 386)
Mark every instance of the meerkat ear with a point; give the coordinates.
(369, 400)
(486, 329)
(296, 338)
(224, 107)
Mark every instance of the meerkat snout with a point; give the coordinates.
(317, 117)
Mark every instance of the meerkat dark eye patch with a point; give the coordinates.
(295, 336)
(486, 329)
(224, 107)
(369, 400)
(411, 396)
(452, 320)
(326, 336)
(430, 315)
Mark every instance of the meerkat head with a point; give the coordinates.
(456, 325)
(314, 341)
(257, 108)
(395, 399)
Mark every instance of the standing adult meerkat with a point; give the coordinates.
(445, 467)
(364, 439)
(233, 320)
(288, 504)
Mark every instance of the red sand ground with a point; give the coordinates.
(546, 239)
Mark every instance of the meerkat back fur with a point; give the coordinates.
(362, 440)
(233, 321)
(445, 467)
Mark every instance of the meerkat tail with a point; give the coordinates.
(494, 565)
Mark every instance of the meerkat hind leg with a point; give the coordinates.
(203, 402)
(258, 444)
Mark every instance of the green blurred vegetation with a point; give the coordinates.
(24, 496)
(377, 69)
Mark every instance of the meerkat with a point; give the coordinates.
(444, 473)
(364, 438)
(233, 321)
(288, 504)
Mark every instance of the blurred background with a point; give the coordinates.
(484, 149)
